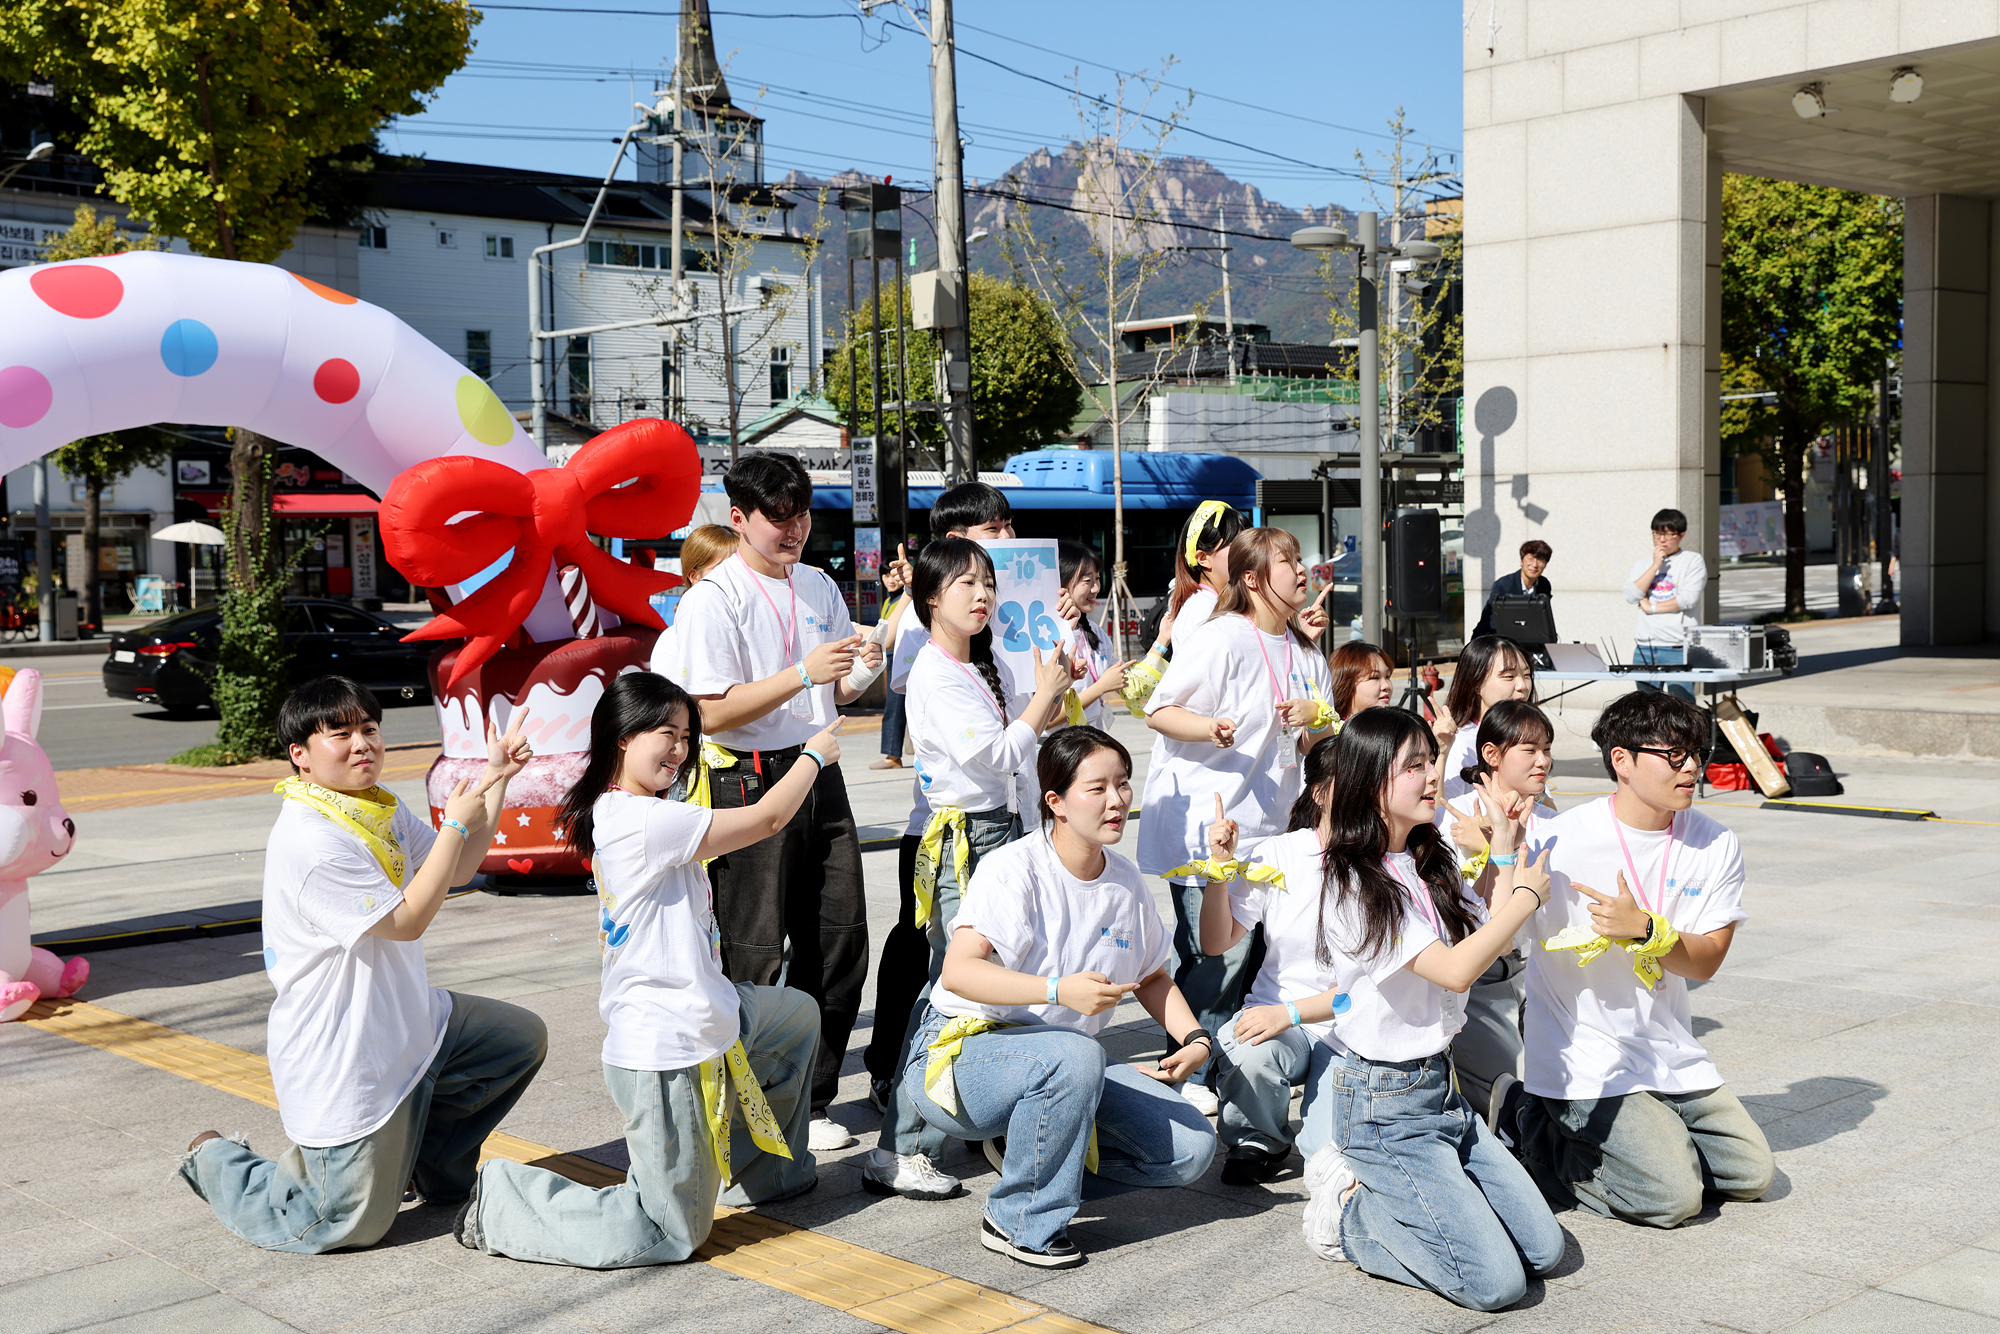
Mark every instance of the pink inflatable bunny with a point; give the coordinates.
(35, 834)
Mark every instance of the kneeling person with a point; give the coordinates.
(1624, 1112)
(1053, 932)
(382, 1079)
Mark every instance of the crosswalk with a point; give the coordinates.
(1746, 591)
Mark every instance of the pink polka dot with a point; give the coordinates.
(336, 381)
(81, 291)
(25, 395)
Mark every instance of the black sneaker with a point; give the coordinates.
(995, 1150)
(1503, 1111)
(465, 1222)
(1247, 1166)
(1059, 1254)
(880, 1094)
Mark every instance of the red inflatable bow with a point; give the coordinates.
(540, 515)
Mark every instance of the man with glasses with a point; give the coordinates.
(1622, 1109)
(1666, 587)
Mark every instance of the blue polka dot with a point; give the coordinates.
(188, 347)
(270, 958)
(1341, 1004)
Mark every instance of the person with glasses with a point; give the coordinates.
(1623, 1110)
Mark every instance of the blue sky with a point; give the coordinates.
(549, 87)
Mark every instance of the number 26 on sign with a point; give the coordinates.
(1018, 628)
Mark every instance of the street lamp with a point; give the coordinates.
(35, 154)
(1327, 240)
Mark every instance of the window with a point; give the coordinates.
(374, 238)
(578, 362)
(769, 291)
(341, 621)
(781, 374)
(499, 247)
(479, 352)
(447, 239)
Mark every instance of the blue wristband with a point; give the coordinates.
(805, 677)
(1503, 858)
(818, 758)
(1053, 979)
(463, 832)
(1293, 1011)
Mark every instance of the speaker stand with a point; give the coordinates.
(1413, 694)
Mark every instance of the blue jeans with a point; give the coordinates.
(1043, 1087)
(1213, 984)
(667, 1204)
(1254, 1085)
(904, 1129)
(1440, 1204)
(1662, 655)
(1644, 1157)
(895, 723)
(314, 1200)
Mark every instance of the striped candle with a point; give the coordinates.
(576, 596)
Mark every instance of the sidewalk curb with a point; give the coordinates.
(64, 648)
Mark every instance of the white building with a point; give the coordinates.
(1596, 139)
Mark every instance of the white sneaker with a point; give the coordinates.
(910, 1175)
(1202, 1097)
(1329, 1178)
(826, 1134)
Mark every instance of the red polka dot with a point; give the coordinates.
(336, 381)
(81, 291)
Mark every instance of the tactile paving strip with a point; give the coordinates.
(866, 1284)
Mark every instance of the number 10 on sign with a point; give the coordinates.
(1024, 615)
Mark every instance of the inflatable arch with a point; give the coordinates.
(106, 344)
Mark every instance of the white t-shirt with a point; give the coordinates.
(1040, 919)
(1596, 1031)
(1462, 753)
(1385, 1012)
(1218, 671)
(669, 656)
(1097, 713)
(1682, 577)
(1194, 613)
(733, 630)
(662, 996)
(1292, 970)
(356, 1022)
(967, 756)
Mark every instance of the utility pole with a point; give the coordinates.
(1228, 310)
(45, 588)
(680, 188)
(954, 387)
(1371, 428)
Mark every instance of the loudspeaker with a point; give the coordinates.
(1416, 564)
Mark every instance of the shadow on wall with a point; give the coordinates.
(1493, 415)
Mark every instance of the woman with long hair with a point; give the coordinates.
(1413, 1187)
(1246, 693)
(1054, 931)
(976, 731)
(1489, 670)
(1103, 675)
(680, 1039)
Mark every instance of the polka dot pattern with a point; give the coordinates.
(188, 347)
(486, 418)
(81, 291)
(336, 380)
(25, 396)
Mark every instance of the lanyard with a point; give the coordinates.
(1277, 690)
(791, 630)
(1421, 894)
(1666, 859)
(973, 677)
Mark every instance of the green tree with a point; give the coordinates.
(1023, 395)
(210, 118)
(102, 461)
(1812, 299)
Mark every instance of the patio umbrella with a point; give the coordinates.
(200, 534)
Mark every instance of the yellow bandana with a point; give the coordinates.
(1207, 513)
(930, 856)
(1588, 947)
(726, 1083)
(1140, 681)
(1072, 708)
(369, 816)
(942, 1086)
(1222, 872)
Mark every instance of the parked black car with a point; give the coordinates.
(171, 663)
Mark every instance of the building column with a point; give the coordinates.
(1947, 314)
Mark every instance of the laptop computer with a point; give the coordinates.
(1573, 658)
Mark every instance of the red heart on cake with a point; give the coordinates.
(520, 865)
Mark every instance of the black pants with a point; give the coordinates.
(803, 885)
(901, 971)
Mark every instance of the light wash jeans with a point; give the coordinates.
(1043, 1087)
(314, 1200)
(1643, 1157)
(904, 1129)
(1254, 1085)
(1440, 1204)
(1663, 655)
(667, 1204)
(1213, 984)
(1490, 1043)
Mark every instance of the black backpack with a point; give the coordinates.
(1810, 775)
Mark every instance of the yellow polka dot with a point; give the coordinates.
(486, 418)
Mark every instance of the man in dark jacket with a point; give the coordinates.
(1535, 556)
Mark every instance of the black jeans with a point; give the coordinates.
(901, 971)
(802, 885)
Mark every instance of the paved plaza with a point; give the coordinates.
(1857, 1017)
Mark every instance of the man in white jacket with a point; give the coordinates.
(1667, 590)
